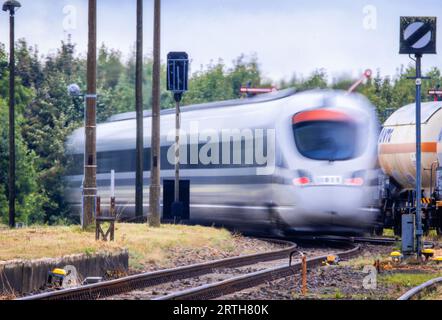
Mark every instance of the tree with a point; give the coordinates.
(29, 196)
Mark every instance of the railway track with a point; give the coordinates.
(421, 290)
(145, 280)
(252, 277)
(369, 240)
(234, 283)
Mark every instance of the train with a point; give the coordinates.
(281, 163)
(397, 158)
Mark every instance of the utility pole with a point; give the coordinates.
(155, 182)
(90, 159)
(11, 6)
(140, 116)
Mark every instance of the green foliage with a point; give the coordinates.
(217, 83)
(407, 279)
(29, 200)
(387, 94)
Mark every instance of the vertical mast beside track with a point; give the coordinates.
(139, 110)
(155, 183)
(90, 159)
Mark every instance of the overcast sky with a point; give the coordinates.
(288, 36)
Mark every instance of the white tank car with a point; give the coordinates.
(397, 145)
(397, 158)
(291, 162)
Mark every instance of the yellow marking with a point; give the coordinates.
(428, 252)
(59, 272)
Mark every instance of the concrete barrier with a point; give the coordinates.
(23, 277)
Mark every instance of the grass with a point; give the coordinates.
(362, 261)
(408, 280)
(388, 233)
(432, 235)
(146, 245)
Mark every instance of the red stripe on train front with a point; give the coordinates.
(320, 115)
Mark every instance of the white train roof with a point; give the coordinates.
(118, 132)
(273, 96)
(407, 114)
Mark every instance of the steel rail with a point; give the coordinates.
(419, 290)
(145, 280)
(369, 240)
(387, 241)
(379, 241)
(236, 284)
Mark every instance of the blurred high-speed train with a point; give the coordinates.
(397, 157)
(285, 162)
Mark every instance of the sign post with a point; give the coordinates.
(177, 82)
(418, 37)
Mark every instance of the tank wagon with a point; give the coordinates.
(397, 158)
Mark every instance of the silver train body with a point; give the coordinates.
(298, 162)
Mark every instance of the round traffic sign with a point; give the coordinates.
(418, 35)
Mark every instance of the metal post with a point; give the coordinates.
(177, 152)
(12, 119)
(155, 182)
(140, 117)
(90, 166)
(419, 231)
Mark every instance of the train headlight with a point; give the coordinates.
(358, 182)
(302, 181)
(357, 179)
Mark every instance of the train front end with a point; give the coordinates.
(334, 181)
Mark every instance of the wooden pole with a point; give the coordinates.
(90, 165)
(155, 184)
(140, 116)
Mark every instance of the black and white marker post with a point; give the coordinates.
(177, 82)
(418, 37)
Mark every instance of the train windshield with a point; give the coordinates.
(327, 140)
